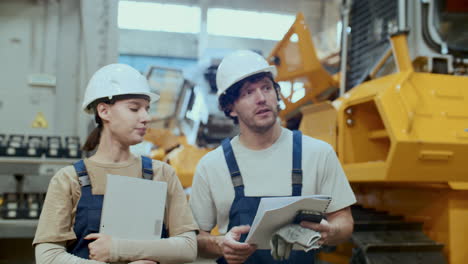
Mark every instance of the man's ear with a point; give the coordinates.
(103, 110)
(232, 113)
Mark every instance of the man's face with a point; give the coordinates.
(257, 105)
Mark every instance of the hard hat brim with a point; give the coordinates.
(270, 68)
(153, 98)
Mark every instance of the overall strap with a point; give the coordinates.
(232, 163)
(297, 163)
(82, 173)
(83, 178)
(147, 167)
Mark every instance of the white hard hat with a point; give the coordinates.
(238, 66)
(116, 79)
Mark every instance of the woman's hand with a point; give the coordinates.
(99, 249)
(143, 262)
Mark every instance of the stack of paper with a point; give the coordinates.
(276, 212)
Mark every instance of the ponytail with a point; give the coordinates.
(95, 136)
(93, 139)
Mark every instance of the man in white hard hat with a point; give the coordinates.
(230, 180)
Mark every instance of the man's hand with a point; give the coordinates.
(327, 231)
(336, 229)
(234, 251)
(100, 248)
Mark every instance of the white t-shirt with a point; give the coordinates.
(266, 172)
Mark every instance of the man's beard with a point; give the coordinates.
(260, 129)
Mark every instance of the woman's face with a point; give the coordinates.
(127, 120)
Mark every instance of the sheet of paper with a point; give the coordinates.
(275, 212)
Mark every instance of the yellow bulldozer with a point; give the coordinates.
(186, 123)
(397, 116)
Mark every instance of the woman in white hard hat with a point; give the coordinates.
(119, 97)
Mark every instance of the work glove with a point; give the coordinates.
(283, 240)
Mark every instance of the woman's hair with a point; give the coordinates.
(95, 136)
(232, 93)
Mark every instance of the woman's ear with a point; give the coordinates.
(103, 110)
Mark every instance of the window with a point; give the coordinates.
(296, 88)
(159, 17)
(248, 24)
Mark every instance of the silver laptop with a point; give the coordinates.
(133, 208)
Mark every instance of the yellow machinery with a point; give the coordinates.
(182, 127)
(174, 150)
(185, 159)
(402, 140)
(309, 74)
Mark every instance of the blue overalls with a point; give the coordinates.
(243, 209)
(88, 212)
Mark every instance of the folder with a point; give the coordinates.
(133, 208)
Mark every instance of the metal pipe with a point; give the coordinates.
(346, 6)
(401, 52)
(380, 63)
(402, 26)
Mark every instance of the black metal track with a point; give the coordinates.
(381, 238)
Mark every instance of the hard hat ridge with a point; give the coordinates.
(115, 79)
(238, 66)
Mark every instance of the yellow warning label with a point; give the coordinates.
(40, 121)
